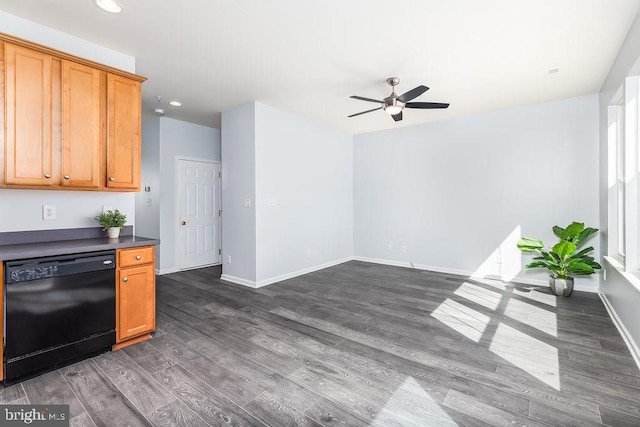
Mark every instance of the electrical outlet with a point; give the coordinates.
(48, 212)
(228, 259)
(247, 203)
(389, 247)
(404, 249)
(308, 253)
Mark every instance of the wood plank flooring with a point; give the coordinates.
(354, 345)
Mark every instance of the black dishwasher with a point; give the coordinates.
(57, 310)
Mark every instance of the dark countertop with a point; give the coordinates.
(21, 245)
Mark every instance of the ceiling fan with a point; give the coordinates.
(394, 104)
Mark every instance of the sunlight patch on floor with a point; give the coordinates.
(498, 284)
(534, 295)
(533, 356)
(479, 295)
(462, 319)
(536, 317)
(411, 405)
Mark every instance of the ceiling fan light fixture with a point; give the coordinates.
(110, 6)
(392, 110)
(392, 106)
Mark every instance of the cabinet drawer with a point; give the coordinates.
(135, 256)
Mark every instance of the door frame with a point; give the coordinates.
(176, 224)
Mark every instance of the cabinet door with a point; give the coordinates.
(28, 149)
(136, 307)
(123, 133)
(81, 125)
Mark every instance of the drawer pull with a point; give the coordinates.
(66, 177)
(138, 257)
(125, 279)
(47, 175)
(112, 179)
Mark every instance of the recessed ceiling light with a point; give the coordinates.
(553, 71)
(110, 6)
(175, 103)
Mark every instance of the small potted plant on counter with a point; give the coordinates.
(563, 259)
(112, 222)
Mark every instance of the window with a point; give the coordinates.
(623, 177)
(619, 136)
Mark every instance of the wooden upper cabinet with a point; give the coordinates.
(82, 94)
(123, 133)
(69, 123)
(28, 113)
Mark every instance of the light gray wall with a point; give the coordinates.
(46, 36)
(623, 297)
(459, 193)
(22, 209)
(148, 203)
(239, 183)
(164, 141)
(307, 170)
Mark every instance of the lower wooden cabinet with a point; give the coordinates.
(135, 295)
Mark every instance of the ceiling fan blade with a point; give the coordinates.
(425, 105)
(397, 117)
(364, 112)
(361, 98)
(413, 93)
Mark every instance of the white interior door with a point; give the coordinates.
(199, 216)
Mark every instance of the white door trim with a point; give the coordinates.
(176, 203)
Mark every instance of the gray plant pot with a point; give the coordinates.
(561, 287)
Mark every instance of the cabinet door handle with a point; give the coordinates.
(138, 257)
(125, 279)
(183, 222)
(112, 179)
(66, 177)
(47, 175)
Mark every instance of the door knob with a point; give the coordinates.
(47, 175)
(138, 257)
(67, 177)
(183, 222)
(112, 179)
(126, 279)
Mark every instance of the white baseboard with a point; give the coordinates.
(238, 281)
(160, 272)
(533, 282)
(626, 336)
(282, 277)
(412, 265)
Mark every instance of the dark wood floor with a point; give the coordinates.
(354, 345)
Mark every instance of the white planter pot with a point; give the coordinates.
(113, 232)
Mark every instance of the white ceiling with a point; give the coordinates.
(308, 57)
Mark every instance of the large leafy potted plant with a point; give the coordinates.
(564, 259)
(112, 222)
